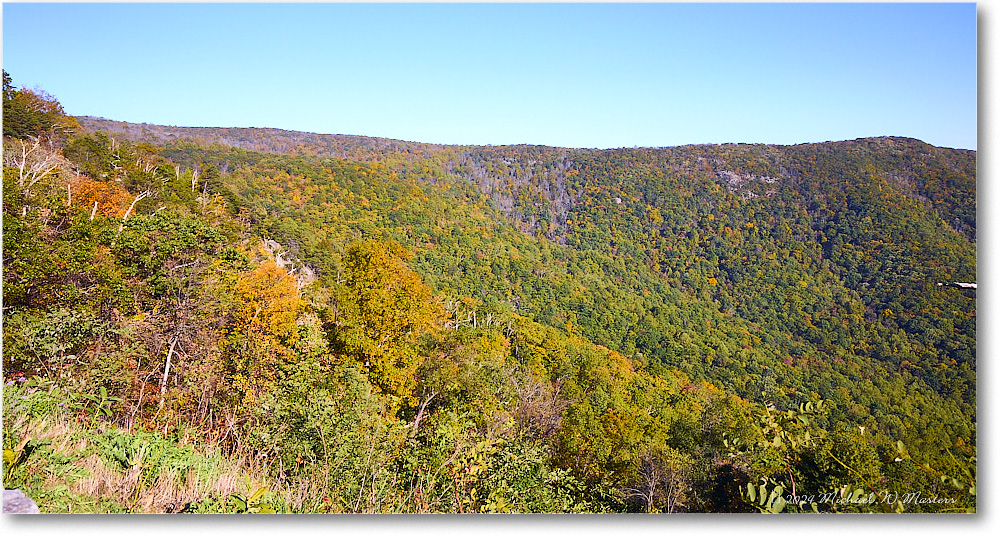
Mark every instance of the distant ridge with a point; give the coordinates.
(275, 140)
(266, 139)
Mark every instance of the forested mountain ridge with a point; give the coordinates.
(269, 140)
(489, 166)
(494, 328)
(887, 219)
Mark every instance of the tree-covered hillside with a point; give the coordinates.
(361, 325)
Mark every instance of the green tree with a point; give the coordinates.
(28, 113)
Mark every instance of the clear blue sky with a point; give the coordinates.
(579, 75)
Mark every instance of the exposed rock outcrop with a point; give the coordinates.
(15, 502)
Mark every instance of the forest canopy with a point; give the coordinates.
(348, 324)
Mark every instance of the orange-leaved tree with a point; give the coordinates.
(99, 197)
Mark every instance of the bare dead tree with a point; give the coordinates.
(647, 490)
(33, 160)
(661, 483)
(539, 407)
(147, 166)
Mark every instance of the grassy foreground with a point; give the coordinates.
(60, 451)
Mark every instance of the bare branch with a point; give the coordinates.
(142, 195)
(420, 412)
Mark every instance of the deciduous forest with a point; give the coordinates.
(213, 320)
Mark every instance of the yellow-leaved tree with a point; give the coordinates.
(383, 308)
(266, 303)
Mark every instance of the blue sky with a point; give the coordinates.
(577, 75)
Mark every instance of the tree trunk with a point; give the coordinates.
(166, 367)
(420, 412)
(138, 198)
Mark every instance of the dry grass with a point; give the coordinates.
(92, 476)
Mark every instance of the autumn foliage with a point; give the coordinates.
(382, 326)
